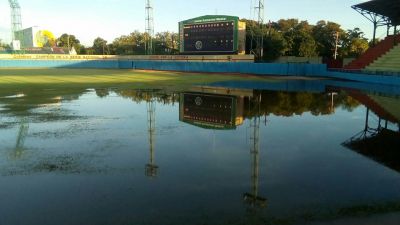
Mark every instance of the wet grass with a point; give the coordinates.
(94, 78)
(39, 87)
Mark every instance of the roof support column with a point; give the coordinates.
(388, 30)
(374, 36)
(366, 121)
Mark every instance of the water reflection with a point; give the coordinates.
(151, 167)
(377, 140)
(277, 154)
(213, 108)
(19, 144)
(253, 199)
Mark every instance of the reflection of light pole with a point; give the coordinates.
(151, 167)
(332, 108)
(22, 133)
(253, 199)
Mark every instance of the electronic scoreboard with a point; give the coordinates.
(212, 35)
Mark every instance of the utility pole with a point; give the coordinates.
(69, 49)
(336, 35)
(149, 27)
(259, 12)
(260, 21)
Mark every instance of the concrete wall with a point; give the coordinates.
(293, 59)
(206, 67)
(173, 58)
(347, 61)
(101, 64)
(244, 68)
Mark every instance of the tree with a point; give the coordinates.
(324, 34)
(358, 46)
(100, 47)
(355, 43)
(69, 41)
(307, 47)
(166, 43)
(274, 45)
(4, 46)
(298, 37)
(129, 44)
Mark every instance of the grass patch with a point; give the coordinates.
(93, 78)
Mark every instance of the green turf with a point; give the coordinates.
(107, 77)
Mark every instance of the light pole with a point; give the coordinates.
(336, 35)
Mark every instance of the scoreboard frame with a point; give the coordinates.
(210, 111)
(216, 29)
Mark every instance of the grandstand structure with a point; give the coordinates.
(384, 56)
(389, 63)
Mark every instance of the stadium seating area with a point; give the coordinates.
(390, 62)
(374, 53)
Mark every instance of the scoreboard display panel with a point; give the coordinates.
(212, 35)
(209, 37)
(208, 110)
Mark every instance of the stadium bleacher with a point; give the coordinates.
(374, 53)
(389, 62)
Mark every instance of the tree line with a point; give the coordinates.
(286, 37)
(164, 43)
(291, 37)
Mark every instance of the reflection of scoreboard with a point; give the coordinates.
(212, 35)
(211, 110)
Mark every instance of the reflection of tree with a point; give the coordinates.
(160, 96)
(349, 103)
(275, 103)
(35, 98)
(297, 103)
(102, 93)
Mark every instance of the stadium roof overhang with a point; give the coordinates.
(383, 12)
(380, 13)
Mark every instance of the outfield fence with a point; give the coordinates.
(270, 69)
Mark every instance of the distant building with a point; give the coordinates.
(212, 35)
(33, 37)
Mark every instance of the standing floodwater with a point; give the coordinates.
(201, 155)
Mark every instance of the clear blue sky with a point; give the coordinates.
(88, 19)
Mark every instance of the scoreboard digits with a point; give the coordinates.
(209, 37)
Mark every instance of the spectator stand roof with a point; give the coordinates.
(380, 12)
(385, 12)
